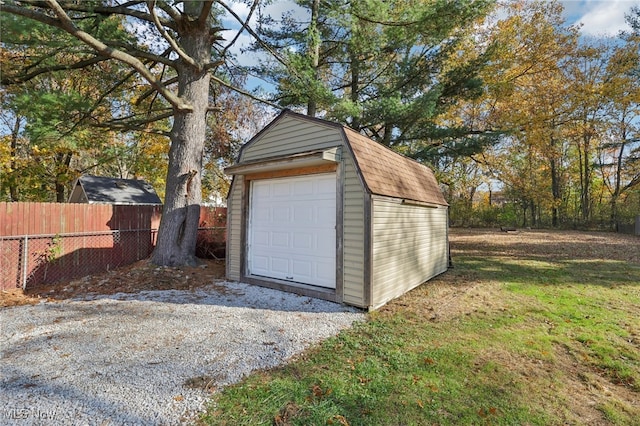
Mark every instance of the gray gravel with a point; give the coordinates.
(150, 358)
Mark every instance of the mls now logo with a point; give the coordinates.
(28, 413)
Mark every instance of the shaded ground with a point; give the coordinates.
(139, 276)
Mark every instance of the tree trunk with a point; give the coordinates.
(314, 52)
(178, 229)
(63, 161)
(13, 185)
(555, 184)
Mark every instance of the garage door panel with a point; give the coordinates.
(280, 265)
(297, 234)
(326, 187)
(261, 238)
(303, 240)
(303, 188)
(326, 271)
(303, 214)
(260, 263)
(281, 190)
(280, 239)
(302, 268)
(325, 243)
(281, 214)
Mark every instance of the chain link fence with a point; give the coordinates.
(29, 261)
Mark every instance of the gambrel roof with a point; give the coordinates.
(386, 172)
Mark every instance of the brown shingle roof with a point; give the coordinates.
(386, 172)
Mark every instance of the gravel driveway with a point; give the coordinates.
(150, 358)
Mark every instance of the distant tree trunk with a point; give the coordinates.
(314, 52)
(532, 206)
(63, 161)
(555, 186)
(177, 233)
(354, 85)
(13, 186)
(618, 179)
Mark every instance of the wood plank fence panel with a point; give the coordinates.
(44, 243)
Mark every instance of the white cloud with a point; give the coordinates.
(599, 17)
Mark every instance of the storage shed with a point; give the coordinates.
(318, 209)
(100, 189)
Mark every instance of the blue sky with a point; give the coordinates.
(598, 17)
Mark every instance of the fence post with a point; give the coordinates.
(25, 261)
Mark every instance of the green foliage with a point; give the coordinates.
(384, 68)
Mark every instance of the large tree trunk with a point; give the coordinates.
(178, 229)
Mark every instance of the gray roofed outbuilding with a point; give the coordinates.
(99, 189)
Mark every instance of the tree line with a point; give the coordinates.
(498, 99)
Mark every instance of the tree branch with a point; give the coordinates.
(65, 23)
(170, 11)
(122, 9)
(244, 92)
(163, 59)
(250, 30)
(204, 13)
(245, 25)
(151, 91)
(181, 53)
(7, 80)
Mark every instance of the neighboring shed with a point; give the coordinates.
(318, 209)
(99, 189)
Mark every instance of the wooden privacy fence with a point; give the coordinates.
(45, 243)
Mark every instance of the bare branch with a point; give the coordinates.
(151, 4)
(7, 79)
(143, 54)
(151, 91)
(243, 92)
(170, 11)
(65, 23)
(123, 9)
(204, 13)
(255, 35)
(140, 124)
(245, 25)
(134, 128)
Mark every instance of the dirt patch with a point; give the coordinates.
(142, 275)
(546, 244)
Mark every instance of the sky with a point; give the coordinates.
(598, 17)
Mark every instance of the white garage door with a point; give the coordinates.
(292, 229)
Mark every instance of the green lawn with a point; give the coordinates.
(539, 328)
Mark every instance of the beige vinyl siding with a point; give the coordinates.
(291, 136)
(409, 246)
(353, 235)
(234, 229)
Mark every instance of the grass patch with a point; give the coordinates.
(507, 339)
